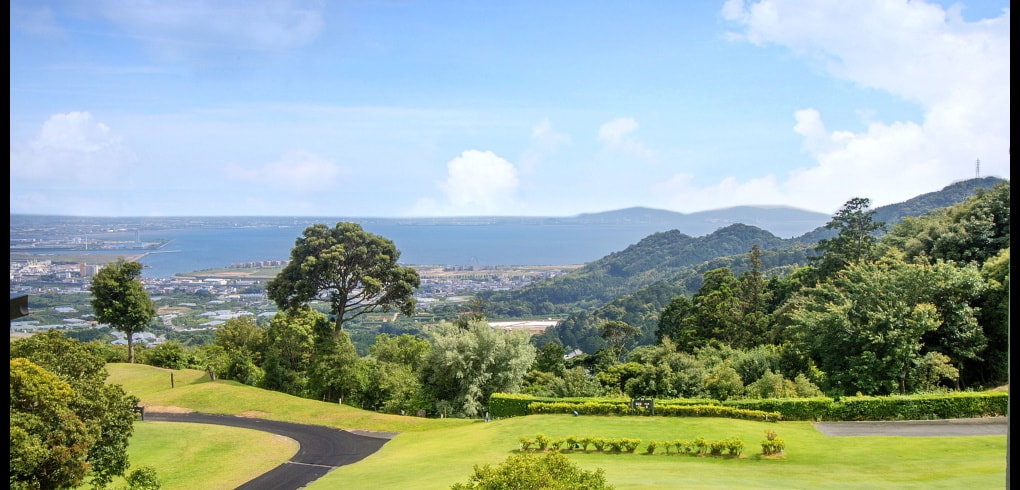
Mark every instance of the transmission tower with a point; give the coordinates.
(977, 169)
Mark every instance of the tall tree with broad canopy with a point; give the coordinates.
(466, 366)
(121, 301)
(856, 238)
(357, 270)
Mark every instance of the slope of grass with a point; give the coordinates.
(205, 456)
(434, 453)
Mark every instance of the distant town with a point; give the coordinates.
(241, 286)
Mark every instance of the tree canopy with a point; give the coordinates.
(356, 270)
(104, 410)
(121, 301)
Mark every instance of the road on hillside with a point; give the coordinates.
(322, 449)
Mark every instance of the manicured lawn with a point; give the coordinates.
(436, 453)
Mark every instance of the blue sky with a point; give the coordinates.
(436, 108)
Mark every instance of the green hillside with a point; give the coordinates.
(436, 453)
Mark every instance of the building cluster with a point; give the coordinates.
(38, 276)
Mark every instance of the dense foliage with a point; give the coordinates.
(121, 301)
(63, 401)
(357, 271)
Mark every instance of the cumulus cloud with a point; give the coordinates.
(479, 182)
(72, 150)
(545, 141)
(297, 170)
(617, 136)
(956, 71)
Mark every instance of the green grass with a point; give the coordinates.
(434, 453)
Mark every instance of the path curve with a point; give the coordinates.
(322, 449)
(987, 426)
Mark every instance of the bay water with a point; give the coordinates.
(192, 249)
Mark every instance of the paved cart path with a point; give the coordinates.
(322, 449)
(989, 426)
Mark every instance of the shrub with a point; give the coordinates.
(650, 449)
(699, 446)
(542, 441)
(526, 444)
(552, 471)
(630, 445)
(773, 444)
(734, 447)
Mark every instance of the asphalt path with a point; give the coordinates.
(322, 449)
(989, 426)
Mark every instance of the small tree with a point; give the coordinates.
(120, 300)
(357, 270)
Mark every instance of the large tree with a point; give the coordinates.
(871, 326)
(49, 442)
(121, 301)
(466, 366)
(358, 271)
(855, 240)
(104, 409)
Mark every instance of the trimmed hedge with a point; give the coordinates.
(906, 407)
(813, 409)
(964, 405)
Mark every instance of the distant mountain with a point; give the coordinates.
(676, 256)
(782, 221)
(916, 206)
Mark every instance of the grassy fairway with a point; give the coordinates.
(433, 453)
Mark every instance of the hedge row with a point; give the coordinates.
(906, 407)
(601, 408)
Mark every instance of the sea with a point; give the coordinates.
(193, 249)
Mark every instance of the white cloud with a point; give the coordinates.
(957, 72)
(297, 170)
(545, 141)
(192, 26)
(72, 150)
(681, 194)
(477, 182)
(617, 136)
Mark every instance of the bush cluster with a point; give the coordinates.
(730, 447)
(542, 442)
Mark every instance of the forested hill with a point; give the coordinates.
(917, 206)
(657, 257)
(678, 259)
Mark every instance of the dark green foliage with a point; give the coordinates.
(856, 236)
(170, 355)
(359, 271)
(655, 258)
(49, 442)
(119, 299)
(144, 478)
(104, 409)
